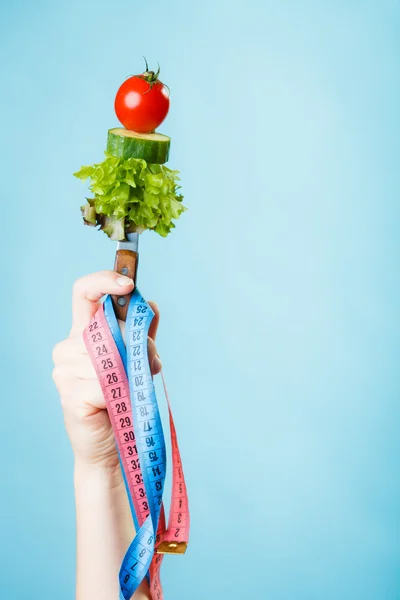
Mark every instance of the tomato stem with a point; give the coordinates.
(150, 76)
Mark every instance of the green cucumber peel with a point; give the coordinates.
(151, 147)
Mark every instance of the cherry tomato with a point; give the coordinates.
(142, 102)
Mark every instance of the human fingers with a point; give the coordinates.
(155, 322)
(77, 394)
(154, 359)
(88, 291)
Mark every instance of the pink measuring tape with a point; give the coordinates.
(128, 389)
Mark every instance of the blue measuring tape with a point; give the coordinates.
(149, 437)
(127, 384)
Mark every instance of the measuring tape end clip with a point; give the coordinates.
(171, 548)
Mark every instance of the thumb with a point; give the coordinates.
(88, 291)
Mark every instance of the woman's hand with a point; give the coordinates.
(103, 519)
(85, 413)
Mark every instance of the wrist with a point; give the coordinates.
(107, 473)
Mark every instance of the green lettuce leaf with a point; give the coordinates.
(114, 228)
(131, 195)
(89, 213)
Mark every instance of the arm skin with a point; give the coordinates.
(104, 532)
(103, 518)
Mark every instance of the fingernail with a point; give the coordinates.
(157, 364)
(124, 280)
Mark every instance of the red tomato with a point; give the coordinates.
(142, 102)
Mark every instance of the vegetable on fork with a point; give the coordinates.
(132, 188)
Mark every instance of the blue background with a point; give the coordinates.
(279, 289)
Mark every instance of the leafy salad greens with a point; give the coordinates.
(131, 196)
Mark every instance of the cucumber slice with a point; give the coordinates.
(151, 147)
